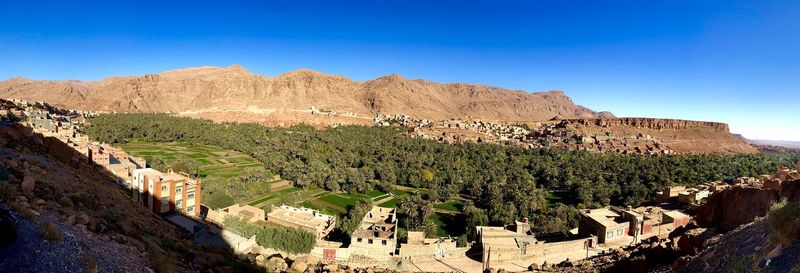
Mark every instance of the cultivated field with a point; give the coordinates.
(227, 164)
(214, 161)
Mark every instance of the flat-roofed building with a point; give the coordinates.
(506, 242)
(246, 212)
(677, 218)
(376, 236)
(166, 192)
(693, 196)
(302, 218)
(669, 194)
(605, 223)
(653, 221)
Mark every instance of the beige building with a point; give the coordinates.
(605, 223)
(669, 194)
(302, 218)
(246, 212)
(420, 247)
(646, 222)
(376, 237)
(693, 196)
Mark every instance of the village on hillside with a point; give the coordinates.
(177, 197)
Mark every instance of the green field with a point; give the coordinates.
(454, 206)
(214, 161)
(218, 162)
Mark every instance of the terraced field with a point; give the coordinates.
(214, 161)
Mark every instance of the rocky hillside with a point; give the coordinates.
(639, 136)
(208, 89)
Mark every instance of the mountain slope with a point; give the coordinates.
(236, 88)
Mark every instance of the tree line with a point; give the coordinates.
(504, 183)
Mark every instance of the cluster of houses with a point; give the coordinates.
(695, 196)
(161, 193)
(563, 134)
(551, 134)
(373, 242)
(598, 229)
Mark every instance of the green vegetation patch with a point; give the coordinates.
(455, 205)
(391, 203)
(338, 200)
(784, 220)
(375, 193)
(214, 161)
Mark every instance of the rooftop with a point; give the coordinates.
(301, 216)
(604, 216)
(378, 223)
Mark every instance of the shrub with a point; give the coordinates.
(50, 232)
(240, 225)
(65, 201)
(286, 239)
(46, 191)
(20, 208)
(8, 191)
(784, 220)
(277, 237)
(462, 241)
(81, 198)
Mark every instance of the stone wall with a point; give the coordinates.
(494, 255)
(436, 250)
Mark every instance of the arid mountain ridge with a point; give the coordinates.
(235, 94)
(236, 88)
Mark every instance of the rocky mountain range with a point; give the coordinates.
(212, 89)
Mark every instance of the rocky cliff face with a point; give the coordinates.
(236, 88)
(737, 206)
(649, 123)
(639, 136)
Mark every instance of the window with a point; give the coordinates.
(190, 209)
(163, 188)
(178, 190)
(609, 234)
(619, 232)
(178, 203)
(383, 242)
(359, 240)
(369, 241)
(190, 196)
(164, 201)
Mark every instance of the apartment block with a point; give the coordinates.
(166, 192)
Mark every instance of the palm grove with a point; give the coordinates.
(502, 183)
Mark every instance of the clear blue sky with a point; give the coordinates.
(730, 61)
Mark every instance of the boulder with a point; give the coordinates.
(261, 260)
(82, 219)
(28, 185)
(299, 266)
(126, 227)
(331, 267)
(276, 264)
